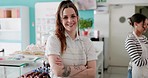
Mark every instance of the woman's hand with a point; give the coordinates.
(58, 61)
(61, 70)
(89, 72)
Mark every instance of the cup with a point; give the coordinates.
(96, 33)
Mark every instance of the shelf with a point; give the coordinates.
(9, 12)
(14, 28)
(10, 41)
(10, 36)
(9, 30)
(10, 24)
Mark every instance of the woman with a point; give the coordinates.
(137, 46)
(70, 55)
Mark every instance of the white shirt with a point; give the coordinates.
(78, 51)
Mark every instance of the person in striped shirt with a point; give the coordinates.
(136, 45)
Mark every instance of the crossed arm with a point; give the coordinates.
(73, 71)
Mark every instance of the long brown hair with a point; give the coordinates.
(60, 30)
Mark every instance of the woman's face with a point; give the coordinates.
(146, 25)
(69, 19)
(142, 27)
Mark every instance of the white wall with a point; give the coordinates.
(109, 27)
(101, 23)
(126, 1)
(118, 33)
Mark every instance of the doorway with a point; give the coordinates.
(119, 29)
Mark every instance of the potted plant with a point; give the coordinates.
(85, 24)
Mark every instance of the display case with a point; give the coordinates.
(14, 28)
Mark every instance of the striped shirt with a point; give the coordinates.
(134, 49)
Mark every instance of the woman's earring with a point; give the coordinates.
(135, 26)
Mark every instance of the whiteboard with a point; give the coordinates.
(45, 9)
(45, 20)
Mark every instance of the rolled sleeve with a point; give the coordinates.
(91, 55)
(52, 45)
(90, 50)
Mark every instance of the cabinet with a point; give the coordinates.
(14, 28)
(99, 50)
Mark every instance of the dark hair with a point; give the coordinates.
(137, 18)
(60, 30)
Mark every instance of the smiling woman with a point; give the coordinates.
(136, 45)
(67, 55)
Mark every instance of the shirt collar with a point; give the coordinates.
(67, 36)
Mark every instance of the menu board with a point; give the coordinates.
(45, 20)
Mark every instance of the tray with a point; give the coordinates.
(19, 58)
